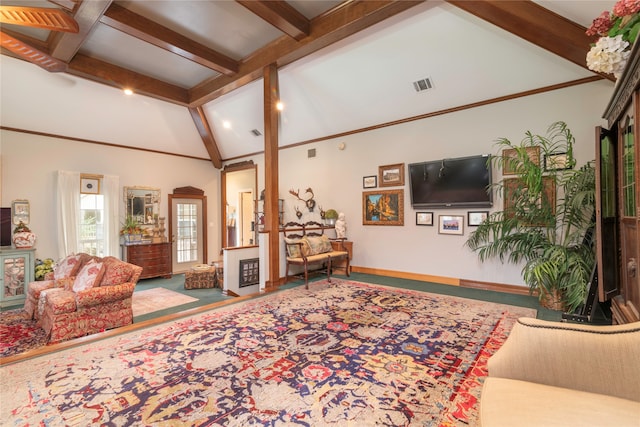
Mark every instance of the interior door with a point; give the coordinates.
(187, 216)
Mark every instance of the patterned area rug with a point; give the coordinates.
(156, 299)
(344, 353)
(18, 333)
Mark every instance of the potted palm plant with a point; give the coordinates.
(547, 220)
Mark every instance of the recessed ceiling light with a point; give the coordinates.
(226, 124)
(279, 106)
(128, 91)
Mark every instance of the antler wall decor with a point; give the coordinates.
(310, 203)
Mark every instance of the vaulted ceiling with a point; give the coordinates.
(195, 67)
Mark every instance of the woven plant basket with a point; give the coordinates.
(552, 300)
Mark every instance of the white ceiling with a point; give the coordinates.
(361, 81)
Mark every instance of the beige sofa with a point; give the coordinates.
(560, 374)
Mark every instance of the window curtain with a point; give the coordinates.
(68, 209)
(110, 190)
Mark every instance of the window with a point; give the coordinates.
(91, 225)
(187, 222)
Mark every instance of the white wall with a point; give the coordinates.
(336, 176)
(29, 164)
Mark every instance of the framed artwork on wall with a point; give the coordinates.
(424, 218)
(20, 212)
(391, 175)
(509, 168)
(556, 161)
(476, 218)
(370, 181)
(89, 184)
(451, 224)
(385, 207)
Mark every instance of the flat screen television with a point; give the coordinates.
(5, 226)
(460, 182)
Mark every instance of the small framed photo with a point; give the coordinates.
(451, 224)
(556, 161)
(370, 181)
(474, 219)
(89, 185)
(391, 175)
(20, 211)
(424, 218)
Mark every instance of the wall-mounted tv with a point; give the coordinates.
(460, 182)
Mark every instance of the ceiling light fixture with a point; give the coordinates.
(279, 106)
(226, 124)
(128, 91)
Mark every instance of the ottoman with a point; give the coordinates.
(200, 278)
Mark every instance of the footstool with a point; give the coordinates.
(200, 278)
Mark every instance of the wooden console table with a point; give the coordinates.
(339, 265)
(154, 258)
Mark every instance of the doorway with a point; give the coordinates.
(187, 221)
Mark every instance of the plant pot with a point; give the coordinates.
(132, 239)
(24, 239)
(552, 300)
(330, 221)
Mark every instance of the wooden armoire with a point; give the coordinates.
(618, 197)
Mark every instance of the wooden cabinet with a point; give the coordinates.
(154, 258)
(339, 266)
(17, 269)
(618, 191)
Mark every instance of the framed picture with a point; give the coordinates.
(391, 175)
(370, 181)
(556, 161)
(89, 185)
(424, 218)
(474, 219)
(384, 207)
(451, 224)
(20, 211)
(513, 190)
(511, 153)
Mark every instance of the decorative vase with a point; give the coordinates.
(24, 239)
(132, 239)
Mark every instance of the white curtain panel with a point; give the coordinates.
(67, 209)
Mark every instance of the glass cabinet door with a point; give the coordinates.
(14, 276)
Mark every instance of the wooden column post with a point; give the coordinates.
(271, 123)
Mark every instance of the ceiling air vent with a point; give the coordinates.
(255, 132)
(422, 85)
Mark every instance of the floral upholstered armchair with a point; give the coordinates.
(85, 295)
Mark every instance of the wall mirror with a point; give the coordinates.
(142, 204)
(239, 183)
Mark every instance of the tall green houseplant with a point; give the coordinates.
(548, 212)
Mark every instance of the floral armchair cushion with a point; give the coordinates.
(117, 272)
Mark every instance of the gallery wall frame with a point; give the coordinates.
(510, 153)
(391, 175)
(475, 218)
(383, 207)
(424, 218)
(90, 184)
(451, 224)
(20, 212)
(370, 181)
(557, 161)
(514, 186)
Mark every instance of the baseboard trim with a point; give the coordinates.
(464, 283)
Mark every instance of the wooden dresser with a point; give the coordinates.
(154, 258)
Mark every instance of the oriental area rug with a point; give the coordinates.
(340, 353)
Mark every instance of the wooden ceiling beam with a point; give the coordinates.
(343, 21)
(158, 35)
(281, 15)
(64, 46)
(535, 24)
(103, 72)
(209, 141)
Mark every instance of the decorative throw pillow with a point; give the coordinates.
(318, 244)
(89, 275)
(66, 267)
(306, 247)
(293, 250)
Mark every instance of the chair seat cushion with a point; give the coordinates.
(508, 403)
